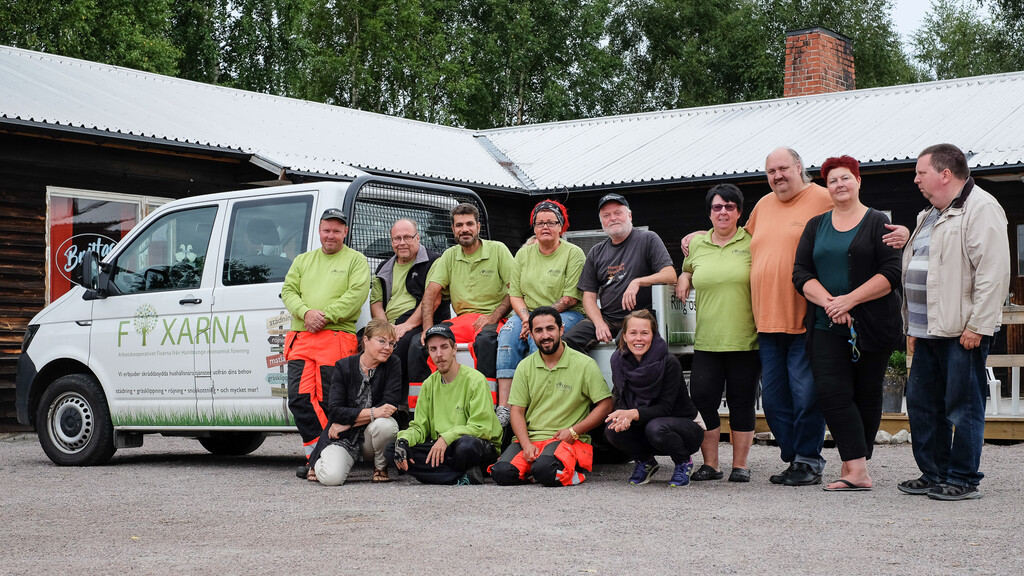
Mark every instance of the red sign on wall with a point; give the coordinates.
(79, 225)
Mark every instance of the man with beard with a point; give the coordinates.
(620, 272)
(324, 290)
(553, 391)
(455, 431)
(476, 274)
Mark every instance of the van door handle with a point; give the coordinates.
(190, 301)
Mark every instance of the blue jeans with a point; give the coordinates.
(946, 390)
(790, 400)
(511, 350)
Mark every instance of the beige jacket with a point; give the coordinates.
(968, 265)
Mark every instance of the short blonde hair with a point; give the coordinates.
(379, 327)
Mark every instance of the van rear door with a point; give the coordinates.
(250, 321)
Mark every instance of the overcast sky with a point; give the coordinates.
(907, 16)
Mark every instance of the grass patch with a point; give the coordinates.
(193, 419)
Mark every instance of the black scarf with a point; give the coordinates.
(639, 384)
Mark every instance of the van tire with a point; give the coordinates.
(233, 443)
(73, 422)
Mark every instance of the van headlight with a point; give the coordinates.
(30, 333)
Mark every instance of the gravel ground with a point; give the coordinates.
(170, 507)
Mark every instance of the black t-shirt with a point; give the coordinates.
(611, 267)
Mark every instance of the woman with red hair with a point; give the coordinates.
(546, 275)
(851, 280)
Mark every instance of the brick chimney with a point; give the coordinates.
(818, 61)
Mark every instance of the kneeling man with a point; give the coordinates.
(455, 431)
(558, 395)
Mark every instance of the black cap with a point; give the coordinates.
(334, 214)
(612, 198)
(439, 330)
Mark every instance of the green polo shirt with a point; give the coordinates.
(477, 282)
(543, 279)
(559, 398)
(721, 277)
(336, 283)
(401, 301)
(463, 407)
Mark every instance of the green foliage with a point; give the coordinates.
(898, 361)
(130, 33)
(955, 40)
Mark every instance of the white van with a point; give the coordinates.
(180, 329)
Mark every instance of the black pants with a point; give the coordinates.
(734, 373)
(674, 437)
(583, 336)
(485, 348)
(458, 457)
(849, 393)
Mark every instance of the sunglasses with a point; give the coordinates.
(720, 207)
(853, 343)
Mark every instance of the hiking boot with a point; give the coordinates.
(916, 486)
(802, 475)
(643, 472)
(943, 491)
(681, 475)
(475, 475)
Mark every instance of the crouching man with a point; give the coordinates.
(558, 395)
(455, 433)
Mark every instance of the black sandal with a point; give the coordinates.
(739, 475)
(706, 472)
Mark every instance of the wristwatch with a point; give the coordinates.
(575, 436)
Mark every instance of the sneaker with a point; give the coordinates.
(475, 475)
(780, 478)
(943, 491)
(916, 486)
(681, 475)
(463, 481)
(504, 415)
(643, 472)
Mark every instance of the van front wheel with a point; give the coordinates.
(233, 443)
(73, 422)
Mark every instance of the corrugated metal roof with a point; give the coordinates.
(983, 115)
(300, 135)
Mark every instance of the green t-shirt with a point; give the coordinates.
(477, 283)
(451, 411)
(542, 280)
(832, 264)
(559, 398)
(401, 301)
(337, 284)
(721, 277)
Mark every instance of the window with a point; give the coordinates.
(264, 237)
(80, 221)
(169, 255)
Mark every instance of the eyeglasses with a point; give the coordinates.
(400, 239)
(720, 207)
(551, 224)
(386, 343)
(853, 343)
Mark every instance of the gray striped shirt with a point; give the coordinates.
(917, 279)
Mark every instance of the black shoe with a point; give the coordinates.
(917, 486)
(945, 491)
(802, 475)
(475, 475)
(780, 478)
(706, 472)
(739, 475)
(302, 471)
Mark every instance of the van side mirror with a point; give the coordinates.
(91, 276)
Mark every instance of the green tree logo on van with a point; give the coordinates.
(145, 320)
